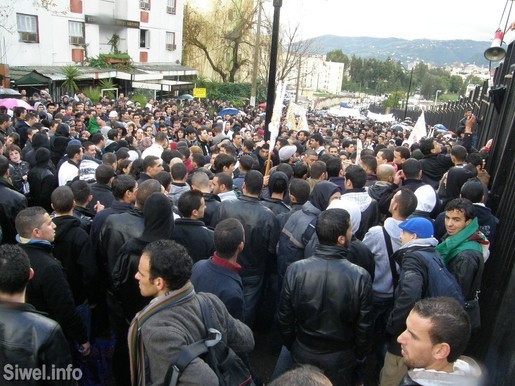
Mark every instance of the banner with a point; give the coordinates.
(419, 131)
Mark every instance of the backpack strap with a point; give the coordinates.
(308, 233)
(389, 249)
(186, 356)
(188, 353)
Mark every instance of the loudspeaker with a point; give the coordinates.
(496, 52)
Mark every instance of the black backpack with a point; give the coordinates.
(227, 365)
(440, 282)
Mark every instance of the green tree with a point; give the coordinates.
(337, 56)
(456, 82)
(71, 74)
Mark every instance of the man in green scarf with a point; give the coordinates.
(464, 250)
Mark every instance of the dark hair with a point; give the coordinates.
(253, 182)
(71, 150)
(62, 199)
(299, 188)
(225, 179)
(459, 152)
(407, 202)
(103, 174)
(169, 261)
(411, 168)
(229, 233)
(386, 154)
(199, 159)
(136, 168)
(81, 191)
(331, 224)
(14, 269)
(189, 201)
(149, 162)
(404, 152)
(279, 184)
(426, 145)
(449, 323)
(109, 159)
(473, 190)
(223, 160)
(4, 118)
(164, 178)
(179, 171)
(246, 162)
(317, 169)
(121, 184)
(356, 175)
(29, 219)
(300, 169)
(4, 165)
(462, 205)
(369, 152)
(97, 138)
(334, 166)
(318, 137)
(146, 189)
(370, 162)
(286, 169)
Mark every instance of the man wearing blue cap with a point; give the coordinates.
(416, 238)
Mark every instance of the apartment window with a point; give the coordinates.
(144, 38)
(171, 6)
(76, 32)
(170, 41)
(145, 5)
(27, 28)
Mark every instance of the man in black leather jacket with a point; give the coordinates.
(324, 312)
(28, 339)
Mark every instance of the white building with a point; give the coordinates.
(70, 31)
(317, 75)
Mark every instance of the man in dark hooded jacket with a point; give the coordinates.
(74, 249)
(278, 187)
(299, 230)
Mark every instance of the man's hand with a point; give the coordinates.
(98, 207)
(469, 123)
(85, 349)
(399, 176)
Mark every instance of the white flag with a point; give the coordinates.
(419, 130)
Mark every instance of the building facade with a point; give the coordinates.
(74, 31)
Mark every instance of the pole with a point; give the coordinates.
(253, 90)
(273, 67)
(407, 97)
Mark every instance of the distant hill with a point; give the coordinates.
(438, 52)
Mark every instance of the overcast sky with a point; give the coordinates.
(407, 19)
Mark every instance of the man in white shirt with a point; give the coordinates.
(70, 169)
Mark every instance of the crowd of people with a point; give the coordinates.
(359, 252)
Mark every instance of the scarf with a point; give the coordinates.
(469, 238)
(136, 348)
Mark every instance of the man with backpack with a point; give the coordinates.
(175, 319)
(422, 275)
(383, 241)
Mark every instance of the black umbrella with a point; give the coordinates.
(9, 93)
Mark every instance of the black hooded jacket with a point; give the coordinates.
(74, 249)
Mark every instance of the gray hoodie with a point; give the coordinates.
(375, 241)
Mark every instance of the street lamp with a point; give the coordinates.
(407, 96)
(436, 97)
(273, 67)
(253, 90)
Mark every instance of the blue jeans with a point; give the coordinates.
(252, 291)
(85, 315)
(284, 363)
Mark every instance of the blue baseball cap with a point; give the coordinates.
(419, 226)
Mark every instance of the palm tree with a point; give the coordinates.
(71, 73)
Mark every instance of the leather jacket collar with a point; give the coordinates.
(331, 251)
